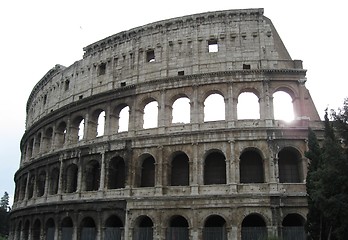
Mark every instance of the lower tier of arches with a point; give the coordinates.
(179, 219)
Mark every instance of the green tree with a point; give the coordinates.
(315, 221)
(340, 118)
(4, 215)
(334, 180)
(4, 202)
(340, 200)
(327, 186)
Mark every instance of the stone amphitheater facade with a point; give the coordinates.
(85, 174)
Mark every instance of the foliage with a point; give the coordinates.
(327, 182)
(314, 217)
(4, 202)
(341, 121)
(4, 216)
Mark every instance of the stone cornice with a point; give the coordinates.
(227, 73)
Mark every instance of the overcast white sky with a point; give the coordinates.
(36, 35)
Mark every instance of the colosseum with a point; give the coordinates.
(145, 137)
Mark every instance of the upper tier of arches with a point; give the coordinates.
(172, 109)
(242, 41)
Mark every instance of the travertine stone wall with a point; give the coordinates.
(229, 175)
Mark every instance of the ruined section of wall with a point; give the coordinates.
(162, 50)
(92, 166)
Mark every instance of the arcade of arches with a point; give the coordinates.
(114, 174)
(111, 227)
(97, 172)
(102, 123)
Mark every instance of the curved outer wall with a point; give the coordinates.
(134, 175)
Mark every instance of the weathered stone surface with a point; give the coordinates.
(231, 173)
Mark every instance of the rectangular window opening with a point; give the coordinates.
(81, 96)
(132, 61)
(102, 69)
(67, 83)
(45, 99)
(123, 84)
(246, 66)
(213, 46)
(181, 73)
(150, 56)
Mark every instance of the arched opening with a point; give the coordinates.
(293, 227)
(37, 144)
(40, 184)
(22, 187)
(178, 228)
(92, 176)
(54, 180)
(151, 115)
(30, 148)
(148, 172)
(181, 110)
(113, 228)
(17, 190)
(61, 134)
(81, 130)
(48, 139)
(248, 106)
(215, 168)
(67, 229)
(101, 124)
(289, 162)
(180, 170)
(36, 231)
(26, 230)
(214, 108)
(283, 106)
(71, 178)
(31, 186)
(50, 229)
(144, 229)
(77, 129)
(117, 173)
(254, 227)
(88, 229)
(215, 228)
(18, 232)
(123, 119)
(251, 167)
